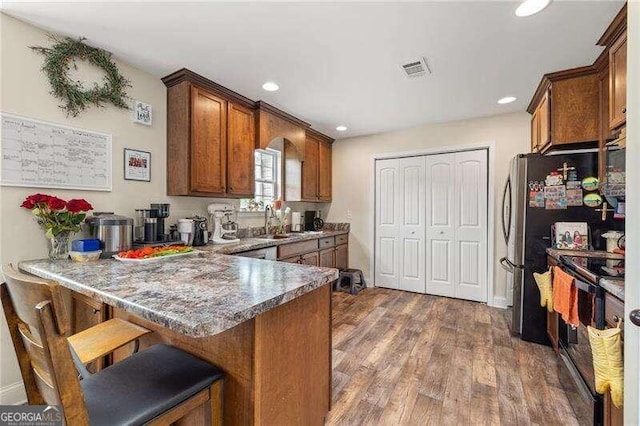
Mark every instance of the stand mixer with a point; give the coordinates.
(224, 231)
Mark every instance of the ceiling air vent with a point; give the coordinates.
(416, 68)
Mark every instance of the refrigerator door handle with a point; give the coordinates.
(506, 227)
(509, 266)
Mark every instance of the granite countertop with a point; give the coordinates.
(613, 286)
(556, 253)
(199, 295)
(247, 244)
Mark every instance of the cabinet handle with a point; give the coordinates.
(231, 188)
(95, 310)
(624, 110)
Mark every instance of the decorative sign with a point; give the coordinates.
(137, 165)
(142, 113)
(39, 154)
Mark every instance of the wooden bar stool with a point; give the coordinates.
(159, 385)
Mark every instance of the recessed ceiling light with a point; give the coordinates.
(531, 7)
(506, 100)
(270, 86)
(341, 128)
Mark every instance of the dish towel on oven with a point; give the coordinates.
(606, 348)
(546, 292)
(565, 296)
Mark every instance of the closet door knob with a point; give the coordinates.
(634, 316)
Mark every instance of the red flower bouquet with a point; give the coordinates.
(55, 214)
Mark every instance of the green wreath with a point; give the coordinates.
(58, 61)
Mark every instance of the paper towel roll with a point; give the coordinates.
(296, 220)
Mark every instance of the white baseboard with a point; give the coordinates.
(498, 302)
(13, 394)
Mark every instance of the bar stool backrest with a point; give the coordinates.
(38, 324)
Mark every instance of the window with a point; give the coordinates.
(267, 173)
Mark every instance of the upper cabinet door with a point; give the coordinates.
(240, 148)
(208, 142)
(618, 82)
(535, 131)
(544, 117)
(310, 170)
(324, 172)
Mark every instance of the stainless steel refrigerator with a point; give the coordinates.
(527, 233)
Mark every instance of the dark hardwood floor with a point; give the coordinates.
(402, 358)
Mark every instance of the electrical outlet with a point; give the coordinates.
(349, 215)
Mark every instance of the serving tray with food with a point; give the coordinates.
(153, 254)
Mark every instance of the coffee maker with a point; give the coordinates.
(313, 220)
(200, 231)
(149, 227)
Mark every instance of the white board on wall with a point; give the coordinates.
(40, 154)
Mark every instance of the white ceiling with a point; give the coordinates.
(337, 63)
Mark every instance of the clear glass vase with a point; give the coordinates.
(59, 246)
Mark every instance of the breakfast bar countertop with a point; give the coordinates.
(199, 295)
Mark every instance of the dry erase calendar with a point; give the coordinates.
(46, 155)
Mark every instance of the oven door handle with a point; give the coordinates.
(589, 288)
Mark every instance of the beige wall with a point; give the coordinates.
(25, 91)
(353, 174)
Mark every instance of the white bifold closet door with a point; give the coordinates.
(431, 224)
(400, 224)
(456, 205)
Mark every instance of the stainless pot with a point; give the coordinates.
(114, 232)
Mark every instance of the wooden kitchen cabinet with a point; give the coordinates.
(316, 168)
(342, 256)
(212, 133)
(613, 416)
(540, 125)
(327, 258)
(208, 142)
(535, 131)
(328, 252)
(210, 138)
(324, 171)
(240, 148)
(310, 169)
(312, 259)
(86, 313)
(565, 110)
(603, 82)
(618, 82)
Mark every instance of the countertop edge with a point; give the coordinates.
(165, 321)
(235, 248)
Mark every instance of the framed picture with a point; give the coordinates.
(572, 235)
(137, 165)
(142, 113)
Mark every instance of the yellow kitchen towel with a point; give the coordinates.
(546, 290)
(606, 348)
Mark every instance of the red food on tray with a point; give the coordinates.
(150, 252)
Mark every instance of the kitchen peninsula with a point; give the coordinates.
(265, 324)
